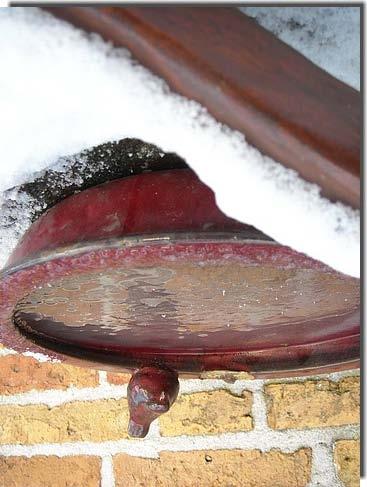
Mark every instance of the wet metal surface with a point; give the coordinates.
(182, 304)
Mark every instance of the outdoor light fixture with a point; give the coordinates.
(146, 274)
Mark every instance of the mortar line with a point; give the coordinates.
(323, 471)
(190, 386)
(57, 397)
(41, 357)
(333, 377)
(4, 352)
(102, 378)
(105, 390)
(107, 471)
(259, 411)
(287, 441)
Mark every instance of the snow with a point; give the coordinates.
(320, 33)
(62, 90)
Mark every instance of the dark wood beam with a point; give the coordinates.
(248, 79)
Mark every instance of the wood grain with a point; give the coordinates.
(248, 79)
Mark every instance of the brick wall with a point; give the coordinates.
(62, 426)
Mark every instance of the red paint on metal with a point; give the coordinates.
(164, 201)
(175, 202)
(151, 392)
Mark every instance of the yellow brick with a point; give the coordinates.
(208, 413)
(232, 468)
(118, 379)
(347, 459)
(51, 471)
(313, 404)
(76, 421)
(22, 374)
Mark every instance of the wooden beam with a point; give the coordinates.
(248, 79)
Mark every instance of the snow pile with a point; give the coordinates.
(328, 36)
(62, 91)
